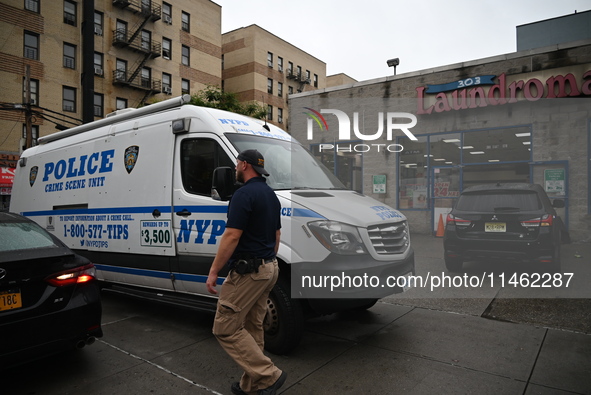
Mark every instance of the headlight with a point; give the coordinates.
(338, 237)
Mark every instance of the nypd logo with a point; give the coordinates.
(131, 155)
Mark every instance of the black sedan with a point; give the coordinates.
(49, 297)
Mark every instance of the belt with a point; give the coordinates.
(244, 266)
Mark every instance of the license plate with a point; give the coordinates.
(10, 300)
(495, 227)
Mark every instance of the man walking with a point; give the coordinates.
(249, 246)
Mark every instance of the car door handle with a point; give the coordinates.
(183, 213)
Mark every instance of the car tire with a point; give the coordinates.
(454, 265)
(284, 322)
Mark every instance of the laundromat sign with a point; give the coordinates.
(491, 90)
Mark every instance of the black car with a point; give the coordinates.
(49, 297)
(508, 222)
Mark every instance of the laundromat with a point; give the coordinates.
(519, 117)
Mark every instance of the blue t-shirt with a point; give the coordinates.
(255, 209)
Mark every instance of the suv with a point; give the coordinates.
(504, 221)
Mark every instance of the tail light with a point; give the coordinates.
(78, 275)
(545, 220)
(451, 219)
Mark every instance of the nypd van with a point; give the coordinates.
(143, 193)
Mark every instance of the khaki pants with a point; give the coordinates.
(238, 324)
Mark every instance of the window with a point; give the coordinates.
(185, 84)
(146, 7)
(222, 61)
(121, 31)
(280, 64)
(69, 99)
(280, 115)
(199, 157)
(166, 83)
(308, 75)
(185, 21)
(121, 103)
(32, 5)
(146, 41)
(146, 77)
(31, 46)
(121, 70)
(98, 23)
(98, 64)
(269, 85)
(270, 113)
(290, 90)
(34, 87)
(299, 71)
(166, 48)
(70, 13)
(69, 56)
(185, 59)
(289, 68)
(270, 59)
(98, 105)
(315, 80)
(280, 89)
(167, 13)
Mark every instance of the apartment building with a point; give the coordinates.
(261, 67)
(87, 58)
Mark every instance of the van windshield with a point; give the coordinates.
(290, 165)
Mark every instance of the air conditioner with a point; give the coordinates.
(98, 31)
(167, 19)
(167, 90)
(98, 71)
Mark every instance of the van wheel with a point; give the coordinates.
(284, 322)
(454, 264)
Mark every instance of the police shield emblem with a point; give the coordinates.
(131, 155)
(33, 174)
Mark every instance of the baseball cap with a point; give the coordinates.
(255, 158)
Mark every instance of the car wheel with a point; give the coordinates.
(454, 264)
(284, 322)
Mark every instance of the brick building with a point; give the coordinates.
(262, 67)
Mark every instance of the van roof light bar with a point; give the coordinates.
(152, 108)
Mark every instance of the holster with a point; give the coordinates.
(245, 266)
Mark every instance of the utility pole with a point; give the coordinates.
(28, 114)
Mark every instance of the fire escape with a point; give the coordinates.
(298, 76)
(139, 41)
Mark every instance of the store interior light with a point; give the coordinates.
(466, 147)
(526, 142)
(439, 160)
(477, 152)
(494, 160)
(522, 134)
(451, 140)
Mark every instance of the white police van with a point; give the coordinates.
(143, 194)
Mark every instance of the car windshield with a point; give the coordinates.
(16, 236)
(290, 165)
(499, 201)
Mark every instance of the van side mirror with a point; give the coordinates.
(223, 186)
(558, 203)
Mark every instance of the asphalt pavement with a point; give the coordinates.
(471, 340)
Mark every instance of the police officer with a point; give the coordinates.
(249, 246)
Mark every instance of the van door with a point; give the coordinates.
(198, 220)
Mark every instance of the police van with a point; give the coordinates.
(143, 193)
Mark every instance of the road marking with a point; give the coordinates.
(161, 368)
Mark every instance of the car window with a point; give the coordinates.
(22, 236)
(493, 201)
